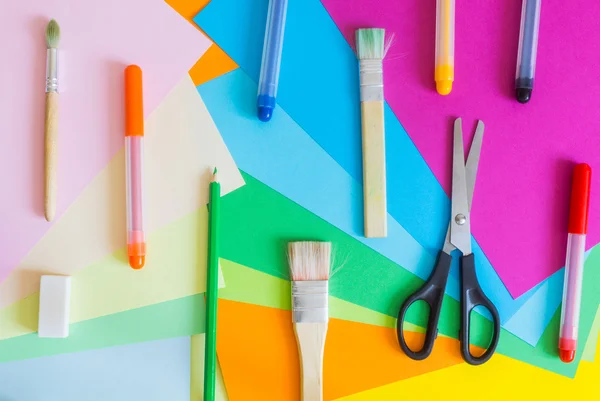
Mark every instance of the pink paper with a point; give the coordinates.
(98, 39)
(520, 208)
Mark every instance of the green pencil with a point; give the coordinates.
(212, 288)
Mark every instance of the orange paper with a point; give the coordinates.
(259, 356)
(215, 62)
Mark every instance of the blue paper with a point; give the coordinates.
(152, 371)
(284, 157)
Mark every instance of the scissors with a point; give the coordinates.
(458, 237)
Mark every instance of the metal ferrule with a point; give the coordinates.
(52, 70)
(371, 80)
(310, 301)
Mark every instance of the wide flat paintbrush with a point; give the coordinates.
(51, 126)
(310, 266)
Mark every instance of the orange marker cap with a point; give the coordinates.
(134, 104)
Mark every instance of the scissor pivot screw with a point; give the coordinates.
(460, 219)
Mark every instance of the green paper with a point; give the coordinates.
(366, 278)
(589, 351)
(165, 320)
(369, 279)
(254, 287)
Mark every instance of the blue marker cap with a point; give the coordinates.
(266, 105)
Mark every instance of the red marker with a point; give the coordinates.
(578, 222)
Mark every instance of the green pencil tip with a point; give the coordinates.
(215, 171)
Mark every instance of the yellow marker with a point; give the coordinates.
(444, 46)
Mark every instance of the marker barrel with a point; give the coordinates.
(444, 46)
(571, 305)
(528, 42)
(134, 164)
(578, 222)
(136, 241)
(271, 58)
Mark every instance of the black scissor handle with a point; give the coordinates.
(471, 296)
(432, 292)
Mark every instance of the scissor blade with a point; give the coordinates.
(473, 161)
(460, 226)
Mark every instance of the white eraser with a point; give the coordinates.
(55, 300)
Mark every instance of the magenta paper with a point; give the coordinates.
(520, 208)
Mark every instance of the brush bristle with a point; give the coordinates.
(309, 260)
(370, 43)
(52, 34)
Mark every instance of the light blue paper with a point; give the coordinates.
(284, 157)
(151, 371)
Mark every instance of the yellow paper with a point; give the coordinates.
(197, 372)
(182, 146)
(500, 379)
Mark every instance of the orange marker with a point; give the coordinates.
(134, 158)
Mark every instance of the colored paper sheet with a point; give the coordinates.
(182, 146)
(197, 372)
(265, 364)
(214, 62)
(98, 39)
(523, 186)
(499, 379)
(589, 352)
(153, 371)
(371, 280)
(248, 285)
(177, 318)
(310, 177)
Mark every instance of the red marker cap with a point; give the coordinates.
(580, 199)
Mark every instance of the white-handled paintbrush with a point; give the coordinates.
(310, 266)
(371, 48)
(51, 126)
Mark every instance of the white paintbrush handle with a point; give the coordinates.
(374, 187)
(50, 154)
(311, 345)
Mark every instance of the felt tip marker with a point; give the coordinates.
(134, 161)
(444, 46)
(578, 222)
(271, 59)
(528, 42)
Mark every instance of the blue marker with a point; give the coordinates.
(528, 40)
(271, 59)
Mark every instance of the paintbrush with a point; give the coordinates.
(51, 120)
(371, 48)
(310, 266)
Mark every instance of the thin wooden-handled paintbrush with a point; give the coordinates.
(371, 48)
(51, 127)
(310, 266)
